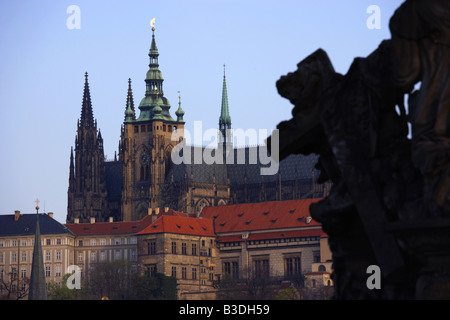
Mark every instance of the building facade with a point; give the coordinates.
(184, 248)
(17, 235)
(272, 240)
(143, 174)
(103, 242)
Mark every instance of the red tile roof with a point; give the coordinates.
(317, 232)
(261, 216)
(181, 225)
(119, 227)
(100, 228)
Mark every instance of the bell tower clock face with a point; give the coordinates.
(144, 158)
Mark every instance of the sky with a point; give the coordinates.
(43, 60)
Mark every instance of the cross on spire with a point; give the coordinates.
(37, 204)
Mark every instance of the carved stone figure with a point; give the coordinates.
(383, 181)
(421, 40)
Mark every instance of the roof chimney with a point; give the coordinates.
(166, 209)
(76, 220)
(111, 219)
(50, 214)
(16, 215)
(92, 220)
(156, 210)
(150, 211)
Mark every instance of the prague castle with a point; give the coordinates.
(143, 176)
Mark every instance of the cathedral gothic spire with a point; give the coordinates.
(87, 183)
(146, 143)
(225, 137)
(130, 113)
(87, 117)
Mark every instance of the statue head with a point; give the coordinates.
(302, 87)
(306, 88)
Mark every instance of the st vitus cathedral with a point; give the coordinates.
(144, 177)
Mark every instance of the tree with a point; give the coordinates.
(111, 279)
(60, 291)
(13, 287)
(158, 286)
(227, 288)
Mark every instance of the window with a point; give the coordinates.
(103, 242)
(24, 256)
(183, 273)
(174, 247)
(80, 256)
(194, 273)
(152, 247)
(316, 256)
(1, 258)
(47, 271)
(24, 243)
(14, 243)
(292, 266)
(47, 256)
(117, 241)
(322, 268)
(136, 129)
(93, 242)
(58, 271)
(14, 257)
(93, 256)
(58, 255)
(174, 272)
(183, 248)
(23, 272)
(261, 267)
(102, 256)
(133, 254)
(58, 241)
(48, 242)
(80, 243)
(194, 249)
(231, 268)
(151, 269)
(117, 255)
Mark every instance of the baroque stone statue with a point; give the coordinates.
(390, 201)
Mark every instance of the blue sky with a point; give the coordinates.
(42, 68)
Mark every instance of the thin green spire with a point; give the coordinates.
(225, 118)
(38, 286)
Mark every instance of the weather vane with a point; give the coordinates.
(152, 24)
(37, 204)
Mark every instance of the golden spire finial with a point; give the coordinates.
(152, 24)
